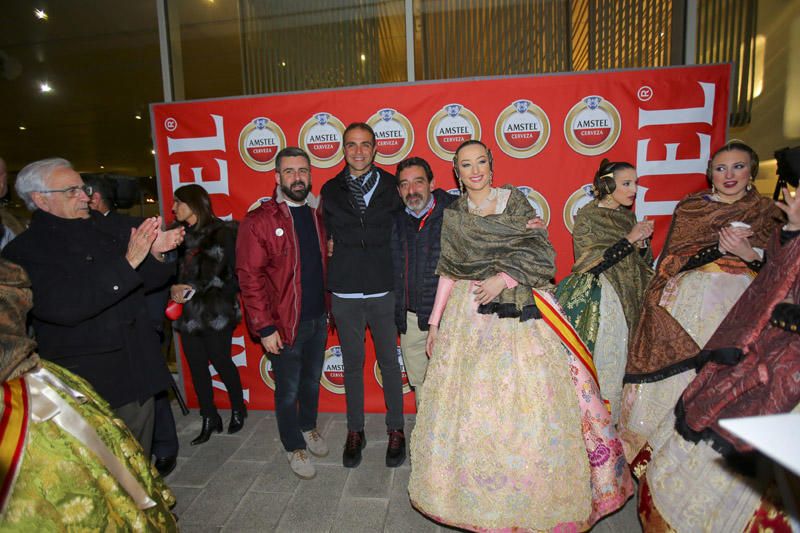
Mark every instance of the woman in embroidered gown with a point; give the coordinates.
(713, 251)
(513, 433)
(68, 464)
(602, 297)
(753, 360)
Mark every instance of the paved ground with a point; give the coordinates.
(242, 482)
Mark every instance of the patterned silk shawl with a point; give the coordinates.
(17, 354)
(476, 248)
(596, 230)
(753, 366)
(661, 348)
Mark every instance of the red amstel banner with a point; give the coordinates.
(548, 135)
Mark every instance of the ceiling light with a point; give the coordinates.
(153, 152)
(45, 87)
(363, 57)
(101, 166)
(283, 63)
(40, 14)
(22, 128)
(137, 116)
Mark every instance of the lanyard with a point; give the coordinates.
(425, 218)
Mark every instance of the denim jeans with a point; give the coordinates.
(297, 373)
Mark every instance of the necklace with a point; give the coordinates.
(479, 209)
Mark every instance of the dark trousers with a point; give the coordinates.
(215, 346)
(352, 317)
(165, 436)
(297, 372)
(139, 418)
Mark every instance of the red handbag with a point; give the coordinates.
(174, 310)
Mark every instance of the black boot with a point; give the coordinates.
(237, 420)
(210, 425)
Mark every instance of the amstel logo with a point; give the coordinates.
(333, 370)
(394, 136)
(522, 129)
(578, 199)
(450, 127)
(257, 203)
(267, 374)
(403, 376)
(538, 203)
(321, 138)
(259, 143)
(592, 126)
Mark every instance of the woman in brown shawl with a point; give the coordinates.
(751, 368)
(513, 432)
(66, 462)
(713, 251)
(603, 295)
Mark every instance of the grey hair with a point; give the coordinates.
(32, 178)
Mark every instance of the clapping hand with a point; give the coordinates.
(167, 240)
(641, 231)
(733, 240)
(790, 206)
(141, 240)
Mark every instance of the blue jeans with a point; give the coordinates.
(297, 373)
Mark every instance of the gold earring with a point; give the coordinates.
(749, 185)
(713, 189)
(461, 186)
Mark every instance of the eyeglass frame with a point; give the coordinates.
(303, 172)
(71, 192)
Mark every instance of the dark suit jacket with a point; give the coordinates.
(89, 310)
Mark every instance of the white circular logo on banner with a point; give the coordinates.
(592, 126)
(538, 202)
(522, 129)
(394, 136)
(267, 374)
(333, 370)
(259, 142)
(450, 127)
(321, 138)
(403, 376)
(578, 199)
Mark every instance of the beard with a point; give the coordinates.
(297, 192)
(414, 201)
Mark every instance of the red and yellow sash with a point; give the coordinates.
(567, 334)
(13, 429)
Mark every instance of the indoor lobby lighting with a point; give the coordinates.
(137, 116)
(45, 87)
(363, 57)
(40, 14)
(153, 152)
(22, 128)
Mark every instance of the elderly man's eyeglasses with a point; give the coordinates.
(291, 173)
(72, 192)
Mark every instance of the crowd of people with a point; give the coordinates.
(539, 406)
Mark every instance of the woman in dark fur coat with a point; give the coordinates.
(208, 289)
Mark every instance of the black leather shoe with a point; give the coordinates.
(165, 465)
(237, 420)
(210, 425)
(351, 457)
(396, 450)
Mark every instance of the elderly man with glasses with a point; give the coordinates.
(89, 275)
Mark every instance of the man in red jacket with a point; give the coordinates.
(280, 262)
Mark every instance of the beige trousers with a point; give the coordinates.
(412, 344)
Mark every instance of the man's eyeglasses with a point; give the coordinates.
(72, 192)
(292, 172)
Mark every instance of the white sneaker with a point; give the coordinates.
(300, 463)
(315, 443)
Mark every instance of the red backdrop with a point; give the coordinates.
(547, 133)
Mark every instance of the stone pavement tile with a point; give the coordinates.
(401, 517)
(276, 476)
(223, 494)
(262, 444)
(206, 460)
(257, 512)
(184, 496)
(371, 479)
(315, 502)
(360, 514)
(198, 528)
